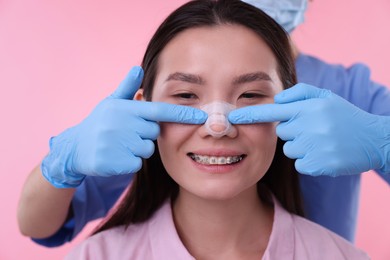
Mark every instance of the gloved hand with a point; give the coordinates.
(325, 133)
(114, 137)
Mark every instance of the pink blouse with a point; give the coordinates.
(292, 237)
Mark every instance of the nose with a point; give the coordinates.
(217, 124)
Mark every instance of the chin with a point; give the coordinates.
(219, 193)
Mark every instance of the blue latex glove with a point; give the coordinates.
(114, 137)
(325, 133)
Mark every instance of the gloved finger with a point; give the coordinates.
(132, 165)
(299, 92)
(112, 164)
(301, 167)
(164, 112)
(309, 167)
(142, 148)
(263, 113)
(130, 84)
(145, 129)
(287, 130)
(294, 150)
(136, 164)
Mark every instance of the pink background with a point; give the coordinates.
(59, 58)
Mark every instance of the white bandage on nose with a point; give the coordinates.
(217, 123)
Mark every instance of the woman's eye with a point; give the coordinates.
(185, 95)
(252, 95)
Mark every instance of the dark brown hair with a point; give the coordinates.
(152, 185)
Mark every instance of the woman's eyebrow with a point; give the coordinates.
(186, 77)
(250, 77)
(196, 79)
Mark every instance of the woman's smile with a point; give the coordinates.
(215, 160)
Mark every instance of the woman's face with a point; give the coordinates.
(227, 63)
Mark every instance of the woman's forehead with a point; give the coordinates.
(217, 49)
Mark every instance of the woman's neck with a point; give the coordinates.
(237, 228)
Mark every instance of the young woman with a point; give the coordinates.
(206, 196)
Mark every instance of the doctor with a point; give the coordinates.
(87, 169)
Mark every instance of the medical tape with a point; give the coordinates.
(217, 123)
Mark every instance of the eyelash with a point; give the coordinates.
(251, 95)
(188, 96)
(185, 95)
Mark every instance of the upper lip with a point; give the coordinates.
(218, 152)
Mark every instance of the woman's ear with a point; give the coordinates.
(139, 95)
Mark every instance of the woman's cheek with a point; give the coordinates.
(270, 130)
(261, 129)
(174, 130)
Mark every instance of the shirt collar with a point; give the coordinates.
(165, 241)
(282, 240)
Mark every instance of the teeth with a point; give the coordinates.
(204, 159)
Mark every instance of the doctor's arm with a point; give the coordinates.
(42, 208)
(326, 134)
(110, 142)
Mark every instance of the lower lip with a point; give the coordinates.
(217, 168)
